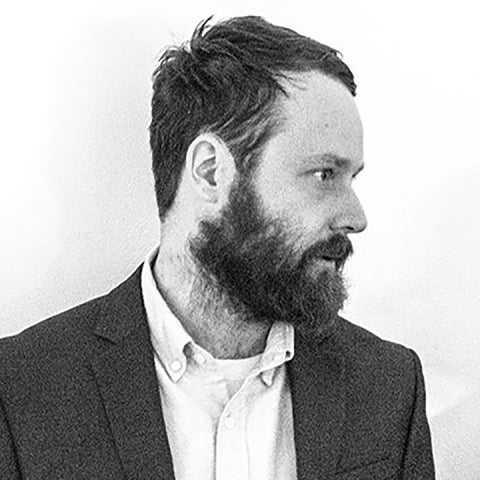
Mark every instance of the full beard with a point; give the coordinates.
(250, 266)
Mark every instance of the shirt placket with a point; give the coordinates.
(231, 459)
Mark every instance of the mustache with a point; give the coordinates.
(337, 248)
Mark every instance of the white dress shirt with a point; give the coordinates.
(225, 419)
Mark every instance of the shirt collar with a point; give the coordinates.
(167, 334)
(279, 349)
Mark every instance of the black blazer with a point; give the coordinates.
(79, 399)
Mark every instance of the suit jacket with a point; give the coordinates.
(79, 399)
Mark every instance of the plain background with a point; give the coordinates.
(77, 210)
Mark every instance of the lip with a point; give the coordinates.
(330, 262)
(327, 261)
(336, 262)
(331, 259)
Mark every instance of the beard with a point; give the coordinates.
(250, 265)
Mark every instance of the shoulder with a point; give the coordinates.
(60, 337)
(80, 331)
(366, 362)
(363, 346)
(48, 362)
(375, 363)
(53, 362)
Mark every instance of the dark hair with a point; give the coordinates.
(226, 81)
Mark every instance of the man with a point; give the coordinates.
(223, 356)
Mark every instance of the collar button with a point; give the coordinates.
(176, 365)
(199, 358)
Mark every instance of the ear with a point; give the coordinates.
(210, 169)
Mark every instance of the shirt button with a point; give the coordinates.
(199, 358)
(176, 365)
(229, 423)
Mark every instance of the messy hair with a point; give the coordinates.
(226, 81)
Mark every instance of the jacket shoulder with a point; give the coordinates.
(71, 334)
(60, 336)
(78, 333)
(360, 345)
(373, 364)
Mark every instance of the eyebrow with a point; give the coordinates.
(338, 161)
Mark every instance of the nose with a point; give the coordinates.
(350, 216)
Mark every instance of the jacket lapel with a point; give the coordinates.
(318, 398)
(128, 384)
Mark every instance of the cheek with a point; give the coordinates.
(305, 221)
(305, 224)
(298, 202)
(312, 225)
(285, 198)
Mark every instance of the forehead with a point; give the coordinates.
(319, 116)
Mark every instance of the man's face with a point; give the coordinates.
(306, 171)
(278, 248)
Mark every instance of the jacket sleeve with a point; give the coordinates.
(418, 456)
(8, 463)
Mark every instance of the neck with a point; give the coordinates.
(203, 312)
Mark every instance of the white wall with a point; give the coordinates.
(77, 210)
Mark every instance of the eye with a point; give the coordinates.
(324, 174)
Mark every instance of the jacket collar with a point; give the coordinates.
(127, 381)
(122, 311)
(128, 385)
